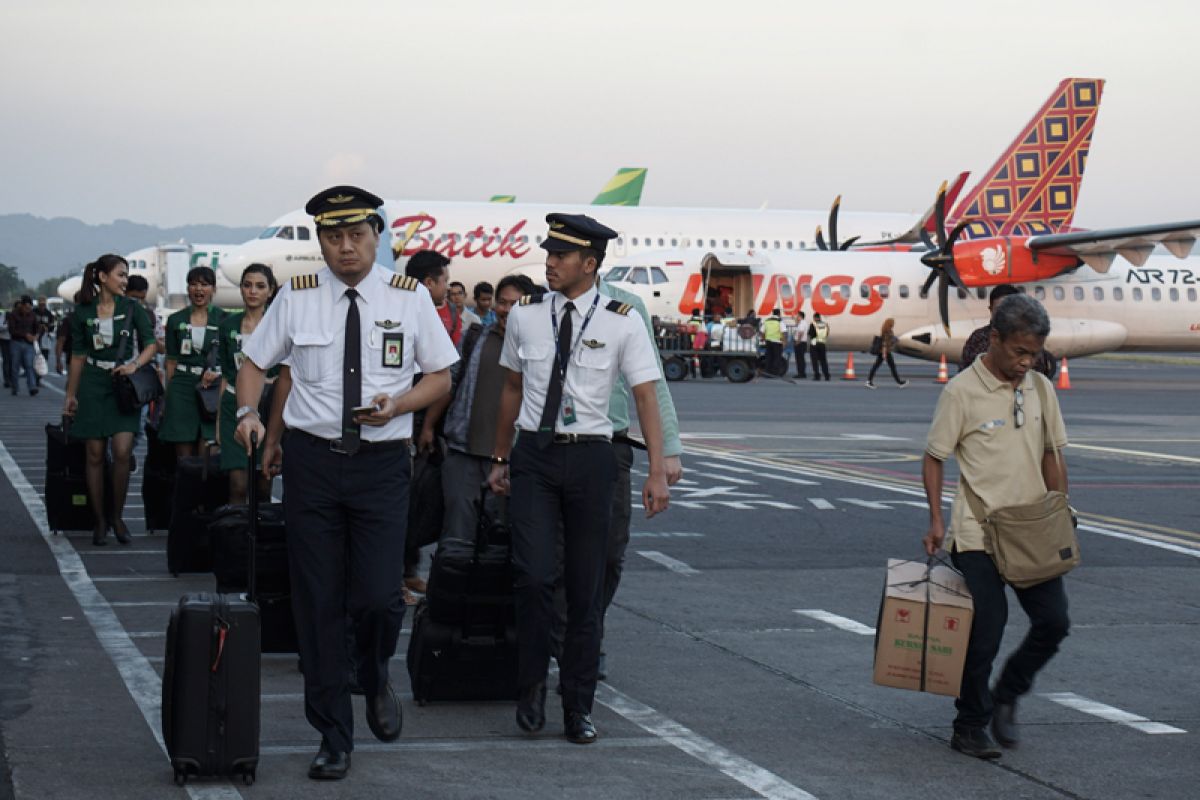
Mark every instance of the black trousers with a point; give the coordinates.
(775, 363)
(565, 487)
(891, 362)
(346, 518)
(819, 363)
(801, 350)
(1046, 606)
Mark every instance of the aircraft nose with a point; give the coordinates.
(68, 288)
(233, 264)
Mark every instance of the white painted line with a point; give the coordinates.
(729, 468)
(873, 437)
(670, 563)
(735, 504)
(845, 623)
(1072, 700)
(777, 504)
(789, 479)
(144, 578)
(821, 503)
(727, 478)
(1174, 548)
(874, 505)
(668, 534)
(1141, 453)
(142, 682)
(53, 388)
(767, 784)
(122, 552)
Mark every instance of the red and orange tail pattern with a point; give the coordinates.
(1033, 187)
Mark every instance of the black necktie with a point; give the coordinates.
(545, 434)
(351, 375)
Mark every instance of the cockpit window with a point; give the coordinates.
(302, 233)
(616, 274)
(285, 233)
(268, 233)
(638, 275)
(658, 275)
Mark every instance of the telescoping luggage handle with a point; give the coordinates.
(252, 527)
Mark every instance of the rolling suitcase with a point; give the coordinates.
(200, 488)
(158, 481)
(211, 683)
(66, 493)
(464, 643)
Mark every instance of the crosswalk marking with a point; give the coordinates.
(845, 623)
(1072, 700)
(821, 503)
(665, 560)
(872, 504)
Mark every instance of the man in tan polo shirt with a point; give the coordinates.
(990, 419)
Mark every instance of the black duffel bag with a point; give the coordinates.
(209, 397)
(143, 386)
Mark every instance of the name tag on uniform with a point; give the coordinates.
(185, 347)
(98, 341)
(393, 349)
(238, 360)
(568, 410)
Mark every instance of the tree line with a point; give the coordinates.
(12, 286)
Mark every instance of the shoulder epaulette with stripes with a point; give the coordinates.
(304, 282)
(619, 307)
(531, 298)
(406, 282)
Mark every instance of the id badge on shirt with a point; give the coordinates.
(393, 349)
(238, 360)
(568, 410)
(185, 347)
(98, 341)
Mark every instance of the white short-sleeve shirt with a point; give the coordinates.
(307, 328)
(612, 344)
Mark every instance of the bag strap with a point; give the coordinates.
(252, 528)
(210, 362)
(1038, 382)
(127, 332)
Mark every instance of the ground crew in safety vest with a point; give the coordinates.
(773, 336)
(818, 335)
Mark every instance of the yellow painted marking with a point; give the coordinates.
(621, 179)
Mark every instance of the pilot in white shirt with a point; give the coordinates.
(563, 352)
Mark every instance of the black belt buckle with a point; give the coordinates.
(335, 446)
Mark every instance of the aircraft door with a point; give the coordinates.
(619, 249)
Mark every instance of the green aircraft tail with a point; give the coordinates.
(503, 198)
(625, 188)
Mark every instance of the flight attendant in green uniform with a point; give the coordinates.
(191, 334)
(258, 286)
(99, 323)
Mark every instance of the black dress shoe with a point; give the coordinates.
(98, 534)
(122, 531)
(1004, 725)
(329, 765)
(384, 715)
(531, 708)
(579, 727)
(974, 742)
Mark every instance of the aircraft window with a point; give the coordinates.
(789, 245)
(806, 291)
(620, 241)
(658, 275)
(1191, 295)
(826, 292)
(724, 243)
(981, 293)
(738, 243)
(285, 233)
(1137, 294)
(660, 242)
(1118, 293)
(1039, 292)
(1174, 295)
(1022, 290)
(962, 295)
(1059, 293)
(302, 233)
(268, 233)
(864, 291)
(638, 275)
(635, 241)
(776, 244)
(616, 273)
(1098, 293)
(884, 290)
(674, 243)
(904, 290)
(1078, 292)
(1156, 293)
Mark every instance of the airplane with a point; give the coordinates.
(490, 240)
(623, 189)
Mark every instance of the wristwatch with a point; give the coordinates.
(244, 410)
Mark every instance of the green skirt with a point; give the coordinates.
(233, 455)
(181, 423)
(98, 416)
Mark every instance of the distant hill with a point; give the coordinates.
(43, 248)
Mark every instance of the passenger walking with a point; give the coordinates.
(257, 286)
(433, 271)
(800, 345)
(353, 334)
(485, 295)
(23, 327)
(456, 295)
(1008, 445)
(887, 343)
(5, 348)
(977, 343)
(557, 391)
(101, 326)
(772, 330)
(192, 341)
(45, 318)
(818, 335)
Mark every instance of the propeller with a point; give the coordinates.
(940, 258)
(833, 238)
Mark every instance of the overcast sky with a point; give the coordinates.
(236, 112)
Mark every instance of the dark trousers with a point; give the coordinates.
(801, 349)
(1046, 606)
(6, 358)
(775, 358)
(565, 487)
(819, 363)
(891, 362)
(21, 357)
(346, 518)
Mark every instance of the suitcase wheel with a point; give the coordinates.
(180, 777)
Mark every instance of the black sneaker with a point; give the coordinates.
(974, 742)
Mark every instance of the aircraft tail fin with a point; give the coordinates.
(503, 198)
(1034, 185)
(625, 188)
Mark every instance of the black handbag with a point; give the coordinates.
(143, 386)
(877, 346)
(209, 396)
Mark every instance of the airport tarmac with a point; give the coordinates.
(740, 643)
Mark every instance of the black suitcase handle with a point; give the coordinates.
(252, 527)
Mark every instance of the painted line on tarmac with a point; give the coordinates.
(142, 604)
(122, 552)
(670, 563)
(142, 682)
(667, 534)
(1072, 700)
(1139, 453)
(762, 781)
(821, 503)
(786, 478)
(845, 623)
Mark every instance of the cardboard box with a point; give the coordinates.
(903, 655)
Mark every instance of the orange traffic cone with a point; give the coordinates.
(943, 374)
(1064, 376)
(848, 375)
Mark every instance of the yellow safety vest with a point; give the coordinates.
(773, 329)
(820, 333)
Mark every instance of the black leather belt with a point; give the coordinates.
(335, 445)
(572, 438)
